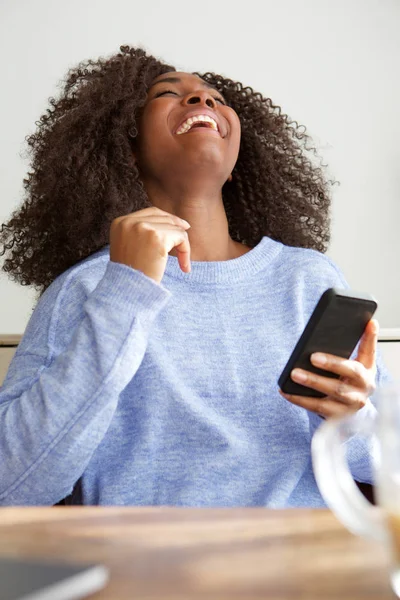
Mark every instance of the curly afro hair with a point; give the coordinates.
(82, 174)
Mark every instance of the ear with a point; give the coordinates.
(230, 177)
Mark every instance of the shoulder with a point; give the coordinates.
(77, 282)
(311, 265)
(310, 271)
(61, 306)
(81, 279)
(303, 274)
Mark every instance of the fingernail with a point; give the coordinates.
(185, 223)
(318, 359)
(298, 375)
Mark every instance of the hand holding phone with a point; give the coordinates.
(335, 327)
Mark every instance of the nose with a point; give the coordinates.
(201, 97)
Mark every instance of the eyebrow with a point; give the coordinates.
(179, 80)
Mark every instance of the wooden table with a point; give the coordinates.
(221, 554)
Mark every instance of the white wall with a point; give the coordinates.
(333, 65)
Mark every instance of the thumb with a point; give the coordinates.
(367, 349)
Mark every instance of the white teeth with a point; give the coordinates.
(184, 128)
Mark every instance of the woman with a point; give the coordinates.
(175, 229)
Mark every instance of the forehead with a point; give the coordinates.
(180, 77)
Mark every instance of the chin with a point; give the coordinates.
(204, 161)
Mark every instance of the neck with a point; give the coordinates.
(204, 211)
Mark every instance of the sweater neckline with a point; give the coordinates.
(224, 271)
(227, 271)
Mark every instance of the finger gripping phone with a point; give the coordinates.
(335, 327)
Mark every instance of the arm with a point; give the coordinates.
(358, 380)
(358, 448)
(56, 404)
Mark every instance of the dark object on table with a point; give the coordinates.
(32, 580)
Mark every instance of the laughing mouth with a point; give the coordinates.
(197, 121)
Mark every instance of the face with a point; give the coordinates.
(186, 131)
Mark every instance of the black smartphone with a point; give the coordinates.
(335, 327)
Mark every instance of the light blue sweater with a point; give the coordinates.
(138, 393)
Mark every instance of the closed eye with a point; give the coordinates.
(216, 98)
(165, 92)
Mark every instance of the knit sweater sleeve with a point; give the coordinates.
(358, 448)
(77, 355)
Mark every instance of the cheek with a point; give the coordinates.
(235, 127)
(151, 134)
(235, 137)
(146, 124)
(238, 127)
